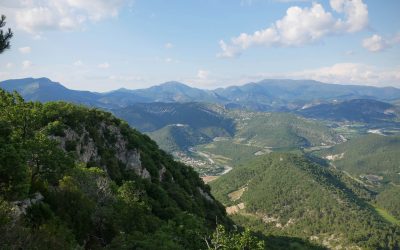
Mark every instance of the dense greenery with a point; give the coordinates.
(389, 199)
(173, 138)
(286, 194)
(282, 130)
(369, 155)
(233, 153)
(94, 202)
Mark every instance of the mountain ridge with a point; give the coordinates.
(266, 95)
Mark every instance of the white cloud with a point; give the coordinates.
(25, 50)
(36, 16)
(168, 60)
(356, 13)
(340, 73)
(78, 63)
(9, 65)
(377, 43)
(26, 64)
(104, 65)
(301, 26)
(168, 45)
(203, 74)
(352, 73)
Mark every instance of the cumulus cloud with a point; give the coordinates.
(35, 16)
(25, 50)
(301, 26)
(377, 43)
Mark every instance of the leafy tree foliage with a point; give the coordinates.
(93, 203)
(221, 239)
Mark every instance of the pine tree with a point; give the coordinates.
(4, 36)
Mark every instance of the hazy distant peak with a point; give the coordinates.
(174, 84)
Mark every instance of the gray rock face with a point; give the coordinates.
(131, 158)
(85, 146)
(87, 150)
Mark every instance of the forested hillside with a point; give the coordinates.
(72, 176)
(284, 194)
(372, 158)
(282, 130)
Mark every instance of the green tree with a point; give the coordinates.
(46, 161)
(4, 36)
(223, 240)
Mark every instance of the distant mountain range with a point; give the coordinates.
(178, 126)
(148, 117)
(266, 95)
(356, 110)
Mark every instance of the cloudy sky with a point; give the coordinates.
(102, 45)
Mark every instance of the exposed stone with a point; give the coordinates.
(87, 151)
(20, 207)
(131, 158)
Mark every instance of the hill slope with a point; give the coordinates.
(283, 130)
(148, 117)
(178, 137)
(75, 177)
(373, 157)
(45, 90)
(285, 194)
(357, 110)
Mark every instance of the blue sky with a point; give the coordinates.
(102, 45)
